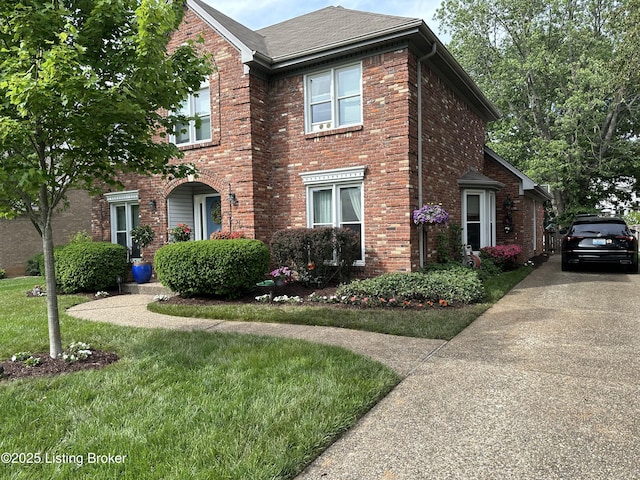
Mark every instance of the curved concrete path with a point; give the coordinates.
(400, 353)
(544, 385)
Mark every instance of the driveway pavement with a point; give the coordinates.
(544, 385)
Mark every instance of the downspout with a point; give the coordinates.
(420, 194)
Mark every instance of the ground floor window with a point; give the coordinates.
(478, 215)
(335, 198)
(125, 215)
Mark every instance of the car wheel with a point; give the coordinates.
(633, 268)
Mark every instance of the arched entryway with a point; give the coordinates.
(197, 205)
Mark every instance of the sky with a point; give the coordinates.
(258, 14)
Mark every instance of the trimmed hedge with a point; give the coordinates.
(318, 255)
(212, 267)
(89, 266)
(455, 286)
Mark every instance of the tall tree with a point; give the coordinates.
(83, 88)
(564, 73)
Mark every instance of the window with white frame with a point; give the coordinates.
(478, 216)
(196, 106)
(335, 198)
(333, 98)
(125, 215)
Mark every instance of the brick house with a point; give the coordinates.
(314, 121)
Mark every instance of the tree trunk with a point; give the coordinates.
(55, 343)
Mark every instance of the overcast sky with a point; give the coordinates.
(257, 14)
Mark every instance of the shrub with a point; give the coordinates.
(458, 285)
(212, 267)
(3, 273)
(226, 235)
(89, 266)
(33, 264)
(318, 255)
(504, 256)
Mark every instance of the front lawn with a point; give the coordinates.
(428, 322)
(177, 404)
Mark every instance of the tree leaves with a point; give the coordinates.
(565, 76)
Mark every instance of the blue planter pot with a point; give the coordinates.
(142, 272)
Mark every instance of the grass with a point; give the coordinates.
(177, 404)
(437, 323)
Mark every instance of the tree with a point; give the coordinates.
(565, 76)
(83, 88)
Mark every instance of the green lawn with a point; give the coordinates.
(437, 323)
(178, 404)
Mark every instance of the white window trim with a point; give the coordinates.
(192, 125)
(128, 199)
(335, 179)
(487, 217)
(331, 124)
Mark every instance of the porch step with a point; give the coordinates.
(151, 288)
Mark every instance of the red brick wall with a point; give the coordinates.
(453, 142)
(20, 239)
(523, 213)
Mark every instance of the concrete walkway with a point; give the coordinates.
(545, 385)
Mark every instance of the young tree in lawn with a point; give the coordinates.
(84, 90)
(565, 76)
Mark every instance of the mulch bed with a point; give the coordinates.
(55, 366)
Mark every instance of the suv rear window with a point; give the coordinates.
(608, 228)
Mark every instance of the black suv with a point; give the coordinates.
(600, 240)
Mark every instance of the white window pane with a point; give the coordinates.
(182, 133)
(349, 111)
(121, 219)
(184, 107)
(321, 113)
(473, 208)
(202, 105)
(320, 88)
(322, 207)
(349, 81)
(203, 132)
(350, 205)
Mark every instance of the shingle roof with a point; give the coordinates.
(326, 28)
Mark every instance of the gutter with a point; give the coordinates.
(420, 174)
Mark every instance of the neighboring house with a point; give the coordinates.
(20, 239)
(314, 122)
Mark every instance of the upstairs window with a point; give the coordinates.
(197, 106)
(333, 98)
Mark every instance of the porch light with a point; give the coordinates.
(153, 205)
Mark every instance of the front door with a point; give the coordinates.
(208, 215)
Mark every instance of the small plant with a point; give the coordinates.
(76, 351)
(180, 233)
(504, 256)
(3, 273)
(32, 362)
(101, 294)
(142, 236)
(282, 275)
(161, 298)
(27, 359)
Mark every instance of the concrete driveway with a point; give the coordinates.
(545, 385)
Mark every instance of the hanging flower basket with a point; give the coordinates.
(430, 214)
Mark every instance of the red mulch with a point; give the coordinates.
(55, 366)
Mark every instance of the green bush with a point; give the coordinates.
(33, 265)
(89, 266)
(318, 255)
(212, 267)
(459, 285)
(3, 273)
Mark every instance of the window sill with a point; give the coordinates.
(193, 146)
(334, 131)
